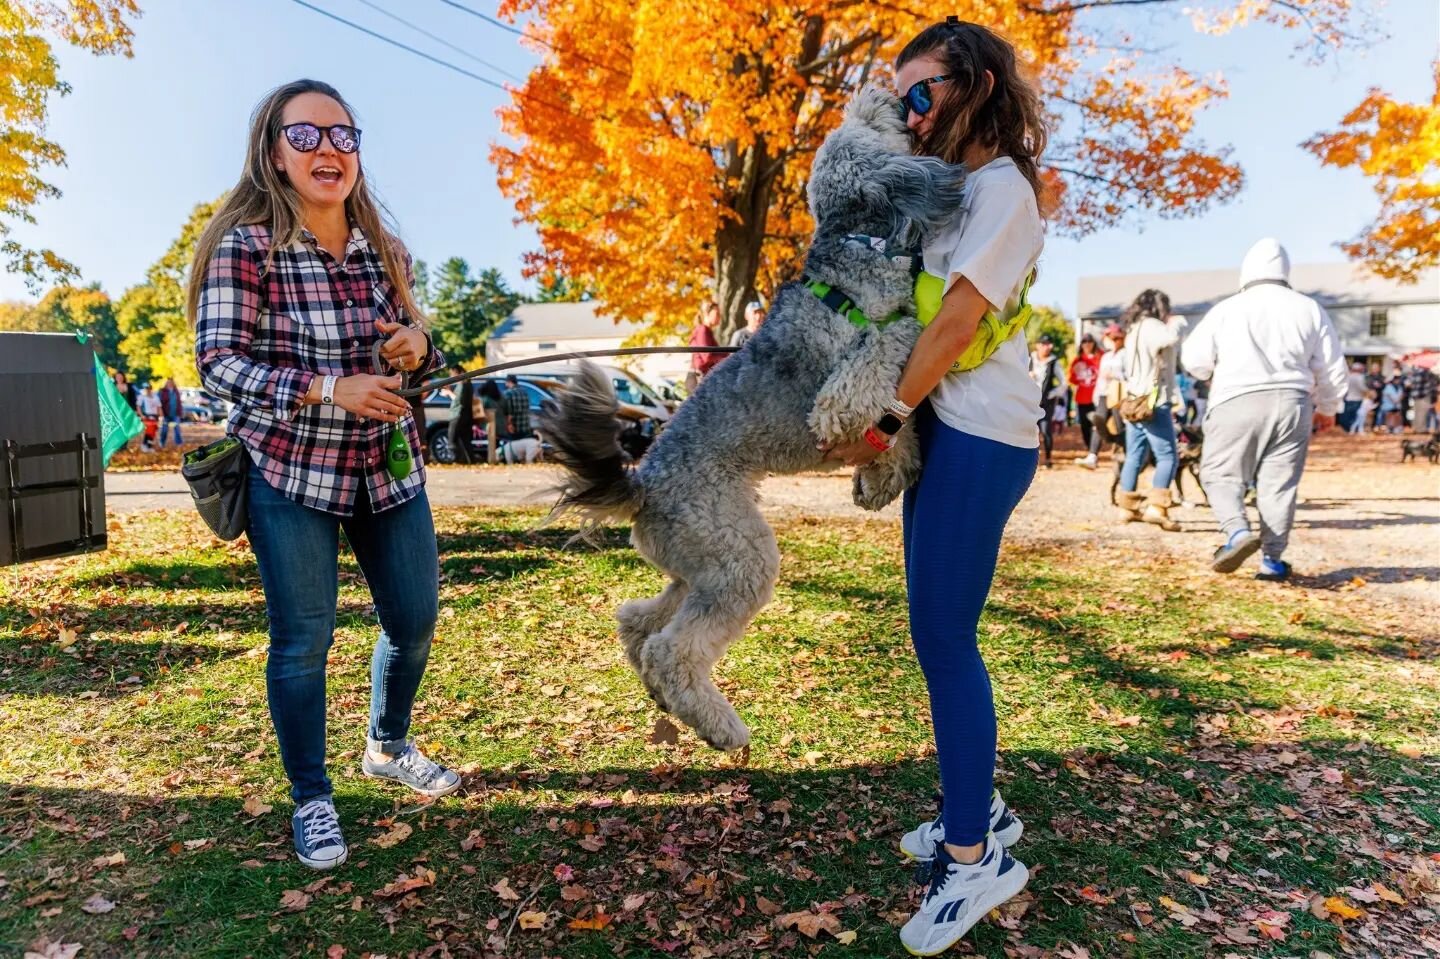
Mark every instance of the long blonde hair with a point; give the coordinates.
(265, 197)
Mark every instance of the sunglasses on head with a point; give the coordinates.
(917, 99)
(305, 137)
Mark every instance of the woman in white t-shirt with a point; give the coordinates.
(969, 103)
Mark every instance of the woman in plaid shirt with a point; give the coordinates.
(296, 279)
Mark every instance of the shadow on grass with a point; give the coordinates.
(700, 845)
(173, 575)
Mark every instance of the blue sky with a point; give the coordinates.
(149, 137)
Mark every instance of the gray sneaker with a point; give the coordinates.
(318, 842)
(411, 768)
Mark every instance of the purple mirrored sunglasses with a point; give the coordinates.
(305, 137)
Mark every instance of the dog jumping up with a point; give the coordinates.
(810, 375)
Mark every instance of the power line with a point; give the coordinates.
(397, 43)
(521, 33)
(442, 41)
(449, 66)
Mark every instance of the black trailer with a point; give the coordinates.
(52, 483)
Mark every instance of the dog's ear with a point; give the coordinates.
(922, 193)
(880, 110)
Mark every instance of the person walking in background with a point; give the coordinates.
(149, 410)
(515, 405)
(1375, 382)
(1368, 405)
(1392, 399)
(1420, 384)
(127, 390)
(461, 428)
(754, 316)
(1355, 391)
(172, 411)
(1277, 373)
(1045, 371)
(703, 335)
(1084, 371)
(1109, 384)
(1150, 388)
(492, 405)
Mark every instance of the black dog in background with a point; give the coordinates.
(1428, 448)
(1189, 443)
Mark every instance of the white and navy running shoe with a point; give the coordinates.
(959, 896)
(921, 842)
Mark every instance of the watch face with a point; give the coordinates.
(889, 424)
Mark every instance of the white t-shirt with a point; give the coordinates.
(993, 241)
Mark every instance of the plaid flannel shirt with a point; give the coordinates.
(261, 338)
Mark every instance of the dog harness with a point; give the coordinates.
(992, 331)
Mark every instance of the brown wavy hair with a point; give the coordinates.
(265, 197)
(1149, 303)
(1006, 117)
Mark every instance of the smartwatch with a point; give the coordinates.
(889, 424)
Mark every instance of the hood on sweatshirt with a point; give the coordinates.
(1267, 260)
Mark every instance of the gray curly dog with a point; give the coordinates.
(809, 375)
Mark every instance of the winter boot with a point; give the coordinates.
(1157, 510)
(1130, 504)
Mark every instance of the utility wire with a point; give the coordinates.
(397, 43)
(442, 41)
(521, 33)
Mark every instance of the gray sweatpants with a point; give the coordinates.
(1257, 439)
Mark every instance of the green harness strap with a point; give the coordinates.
(992, 331)
(843, 305)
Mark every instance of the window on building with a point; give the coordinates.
(1379, 322)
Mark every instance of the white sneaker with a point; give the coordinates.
(922, 841)
(1089, 462)
(959, 896)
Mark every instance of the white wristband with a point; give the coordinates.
(899, 408)
(327, 390)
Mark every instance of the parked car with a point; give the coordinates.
(640, 423)
(202, 407)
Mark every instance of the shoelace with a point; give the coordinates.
(415, 762)
(319, 822)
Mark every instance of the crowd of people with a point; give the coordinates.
(161, 411)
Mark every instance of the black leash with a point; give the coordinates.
(556, 358)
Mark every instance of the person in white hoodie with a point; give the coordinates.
(1278, 373)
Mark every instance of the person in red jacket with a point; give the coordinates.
(1084, 370)
(703, 335)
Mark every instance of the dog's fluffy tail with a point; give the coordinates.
(581, 427)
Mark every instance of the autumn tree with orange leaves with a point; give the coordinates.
(663, 147)
(28, 79)
(1397, 145)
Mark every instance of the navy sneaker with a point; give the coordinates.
(318, 842)
(1273, 570)
(1230, 557)
(959, 896)
(921, 842)
(410, 767)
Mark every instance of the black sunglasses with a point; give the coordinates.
(305, 137)
(917, 99)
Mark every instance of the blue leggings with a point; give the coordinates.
(953, 519)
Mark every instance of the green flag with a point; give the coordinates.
(118, 422)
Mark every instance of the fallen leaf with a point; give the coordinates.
(1343, 909)
(45, 949)
(596, 922)
(67, 638)
(1332, 775)
(635, 901)
(532, 920)
(398, 833)
(293, 900)
(846, 937)
(665, 733)
(336, 951)
(255, 806)
(809, 924)
(766, 907)
(503, 890)
(97, 905)
(1386, 894)
(114, 859)
(1197, 879)
(563, 873)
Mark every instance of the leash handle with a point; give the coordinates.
(555, 358)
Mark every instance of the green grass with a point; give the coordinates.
(1171, 739)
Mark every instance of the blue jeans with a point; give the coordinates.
(1347, 416)
(953, 519)
(1157, 435)
(297, 549)
(165, 428)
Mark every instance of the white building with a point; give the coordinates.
(542, 330)
(1375, 317)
